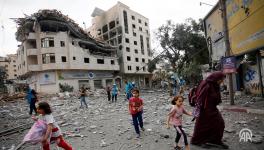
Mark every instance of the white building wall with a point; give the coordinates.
(117, 12)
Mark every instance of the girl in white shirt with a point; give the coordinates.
(53, 130)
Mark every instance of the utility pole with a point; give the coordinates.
(228, 49)
(259, 71)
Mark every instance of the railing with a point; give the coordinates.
(34, 67)
(32, 51)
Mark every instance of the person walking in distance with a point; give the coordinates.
(82, 97)
(108, 90)
(128, 89)
(114, 93)
(32, 99)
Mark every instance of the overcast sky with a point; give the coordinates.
(158, 11)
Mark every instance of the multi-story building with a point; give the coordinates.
(55, 51)
(129, 31)
(9, 63)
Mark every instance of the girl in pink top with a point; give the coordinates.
(175, 119)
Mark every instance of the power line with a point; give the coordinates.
(168, 51)
(152, 60)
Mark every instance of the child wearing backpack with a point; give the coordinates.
(175, 119)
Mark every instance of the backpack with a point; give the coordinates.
(192, 96)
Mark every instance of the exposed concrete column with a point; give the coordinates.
(104, 83)
(91, 83)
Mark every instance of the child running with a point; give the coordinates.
(175, 119)
(136, 110)
(53, 132)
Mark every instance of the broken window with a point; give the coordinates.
(119, 39)
(136, 59)
(105, 28)
(137, 68)
(112, 33)
(128, 58)
(105, 37)
(134, 26)
(62, 43)
(112, 62)
(125, 21)
(148, 47)
(127, 49)
(113, 42)
(120, 47)
(100, 61)
(147, 32)
(129, 68)
(63, 58)
(111, 25)
(22, 50)
(32, 44)
(47, 42)
(142, 44)
(135, 42)
(133, 17)
(48, 58)
(143, 60)
(139, 20)
(127, 40)
(119, 30)
(86, 60)
(73, 58)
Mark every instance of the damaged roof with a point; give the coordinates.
(54, 21)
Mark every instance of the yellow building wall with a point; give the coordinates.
(245, 25)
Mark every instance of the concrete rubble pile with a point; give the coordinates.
(109, 126)
(12, 97)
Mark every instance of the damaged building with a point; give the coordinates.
(129, 31)
(55, 51)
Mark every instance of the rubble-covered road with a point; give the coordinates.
(105, 126)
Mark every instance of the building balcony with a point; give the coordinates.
(31, 35)
(32, 52)
(34, 67)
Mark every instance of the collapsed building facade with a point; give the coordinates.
(55, 51)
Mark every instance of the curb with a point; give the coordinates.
(242, 109)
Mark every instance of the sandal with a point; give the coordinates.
(178, 148)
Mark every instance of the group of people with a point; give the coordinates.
(112, 92)
(205, 134)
